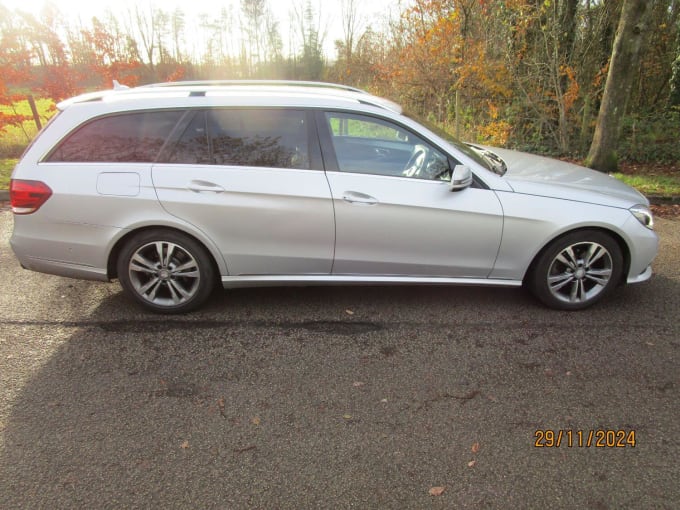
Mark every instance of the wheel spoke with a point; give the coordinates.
(170, 249)
(595, 253)
(558, 281)
(574, 291)
(142, 264)
(599, 276)
(177, 290)
(187, 270)
(151, 287)
(567, 258)
(159, 252)
(174, 295)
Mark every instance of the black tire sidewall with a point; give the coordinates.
(205, 267)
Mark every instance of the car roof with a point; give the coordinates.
(237, 92)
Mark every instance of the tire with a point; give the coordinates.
(166, 271)
(576, 270)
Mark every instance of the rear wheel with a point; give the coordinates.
(166, 271)
(577, 270)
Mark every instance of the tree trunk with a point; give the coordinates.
(622, 71)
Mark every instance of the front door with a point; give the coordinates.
(395, 214)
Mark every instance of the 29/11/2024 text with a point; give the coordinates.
(600, 438)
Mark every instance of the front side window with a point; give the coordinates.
(369, 145)
(241, 137)
(126, 138)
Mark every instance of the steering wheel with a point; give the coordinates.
(417, 162)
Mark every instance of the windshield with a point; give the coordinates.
(479, 155)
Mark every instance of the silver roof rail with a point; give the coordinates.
(290, 83)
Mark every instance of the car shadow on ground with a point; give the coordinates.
(342, 396)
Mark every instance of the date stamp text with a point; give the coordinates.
(593, 438)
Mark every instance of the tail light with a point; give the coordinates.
(26, 197)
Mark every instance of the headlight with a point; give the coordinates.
(643, 215)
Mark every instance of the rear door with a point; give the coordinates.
(252, 180)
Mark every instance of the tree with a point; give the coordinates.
(310, 61)
(106, 58)
(14, 62)
(624, 62)
(351, 26)
(674, 97)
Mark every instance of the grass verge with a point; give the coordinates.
(659, 185)
(14, 139)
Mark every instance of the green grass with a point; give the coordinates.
(661, 185)
(6, 167)
(14, 139)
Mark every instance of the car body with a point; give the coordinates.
(174, 187)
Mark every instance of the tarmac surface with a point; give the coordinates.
(355, 397)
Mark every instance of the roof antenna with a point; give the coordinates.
(119, 86)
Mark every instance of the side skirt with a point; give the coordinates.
(230, 282)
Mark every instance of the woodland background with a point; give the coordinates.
(528, 74)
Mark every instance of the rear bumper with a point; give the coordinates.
(61, 268)
(74, 251)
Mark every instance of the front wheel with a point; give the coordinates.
(577, 270)
(166, 271)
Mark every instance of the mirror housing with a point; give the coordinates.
(461, 177)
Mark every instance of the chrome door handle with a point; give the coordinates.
(354, 197)
(200, 186)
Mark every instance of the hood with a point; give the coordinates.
(537, 175)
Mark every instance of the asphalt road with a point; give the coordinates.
(337, 397)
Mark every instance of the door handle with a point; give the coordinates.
(354, 197)
(200, 186)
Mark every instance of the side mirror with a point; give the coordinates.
(461, 178)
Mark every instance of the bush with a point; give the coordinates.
(651, 138)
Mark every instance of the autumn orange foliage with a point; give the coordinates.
(15, 69)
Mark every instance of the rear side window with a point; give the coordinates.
(126, 138)
(245, 137)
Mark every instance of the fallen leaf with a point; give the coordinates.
(220, 403)
(349, 312)
(358, 384)
(347, 416)
(437, 491)
(255, 420)
(384, 401)
(568, 372)
(185, 445)
(475, 447)
(472, 463)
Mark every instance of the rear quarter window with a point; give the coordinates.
(123, 138)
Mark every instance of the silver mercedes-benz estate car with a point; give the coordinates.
(172, 188)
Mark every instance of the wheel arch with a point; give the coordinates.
(620, 241)
(114, 253)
